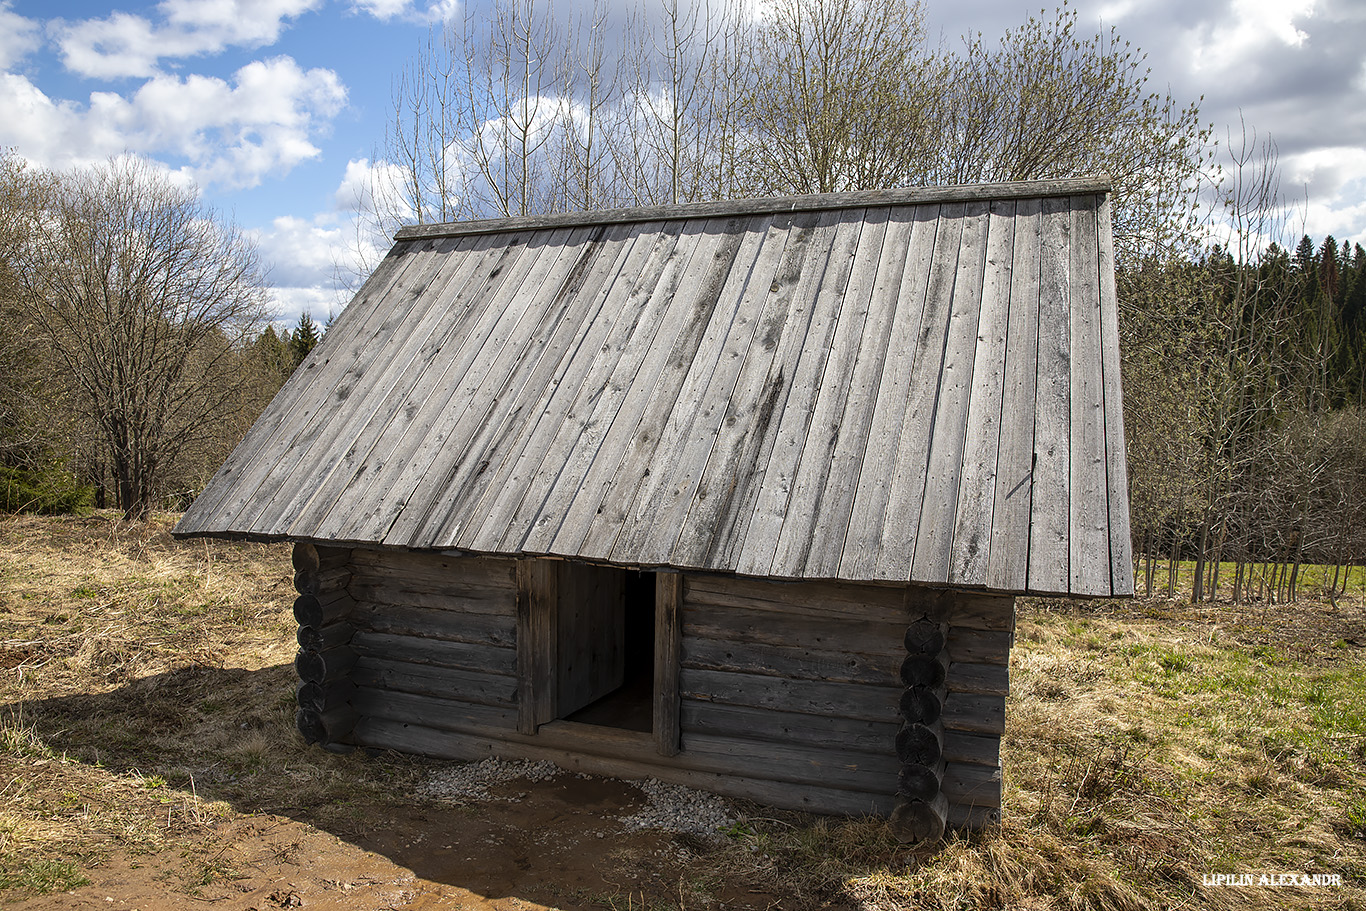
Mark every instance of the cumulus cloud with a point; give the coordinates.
(408, 10)
(124, 45)
(232, 133)
(18, 36)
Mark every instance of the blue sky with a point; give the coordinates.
(275, 107)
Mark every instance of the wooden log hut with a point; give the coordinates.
(737, 495)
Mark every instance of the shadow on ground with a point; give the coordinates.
(326, 828)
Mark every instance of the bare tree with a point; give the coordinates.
(845, 97)
(147, 301)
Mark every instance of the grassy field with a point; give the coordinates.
(146, 700)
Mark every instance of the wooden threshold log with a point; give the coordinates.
(327, 636)
(919, 820)
(324, 667)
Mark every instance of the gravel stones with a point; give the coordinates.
(669, 807)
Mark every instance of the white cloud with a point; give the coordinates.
(18, 36)
(232, 134)
(1245, 28)
(127, 45)
(385, 10)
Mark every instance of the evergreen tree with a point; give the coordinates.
(304, 338)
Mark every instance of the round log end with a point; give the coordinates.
(918, 821)
(925, 637)
(310, 725)
(305, 557)
(308, 611)
(918, 743)
(917, 781)
(920, 705)
(306, 582)
(923, 670)
(310, 666)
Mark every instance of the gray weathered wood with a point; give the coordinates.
(537, 642)
(1088, 513)
(1008, 550)
(480, 687)
(972, 785)
(920, 821)
(973, 528)
(1117, 476)
(785, 727)
(441, 652)
(817, 202)
(975, 713)
(952, 405)
(668, 662)
(324, 667)
(840, 700)
(985, 679)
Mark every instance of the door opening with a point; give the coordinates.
(606, 634)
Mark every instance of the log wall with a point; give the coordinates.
(822, 696)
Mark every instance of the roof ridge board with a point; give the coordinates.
(1033, 189)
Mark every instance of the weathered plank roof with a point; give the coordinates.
(891, 386)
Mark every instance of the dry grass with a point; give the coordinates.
(146, 693)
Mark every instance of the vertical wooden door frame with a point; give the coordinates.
(537, 642)
(668, 599)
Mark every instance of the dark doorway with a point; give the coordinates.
(607, 647)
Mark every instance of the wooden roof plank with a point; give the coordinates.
(972, 529)
(760, 397)
(656, 370)
(1008, 556)
(851, 291)
(577, 328)
(852, 434)
(901, 523)
(462, 399)
(1049, 524)
(1088, 517)
(518, 517)
(422, 425)
(368, 510)
(607, 496)
(793, 369)
(727, 538)
(761, 244)
(863, 542)
(350, 466)
(1117, 475)
(662, 498)
(549, 331)
(287, 402)
(332, 381)
(953, 404)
